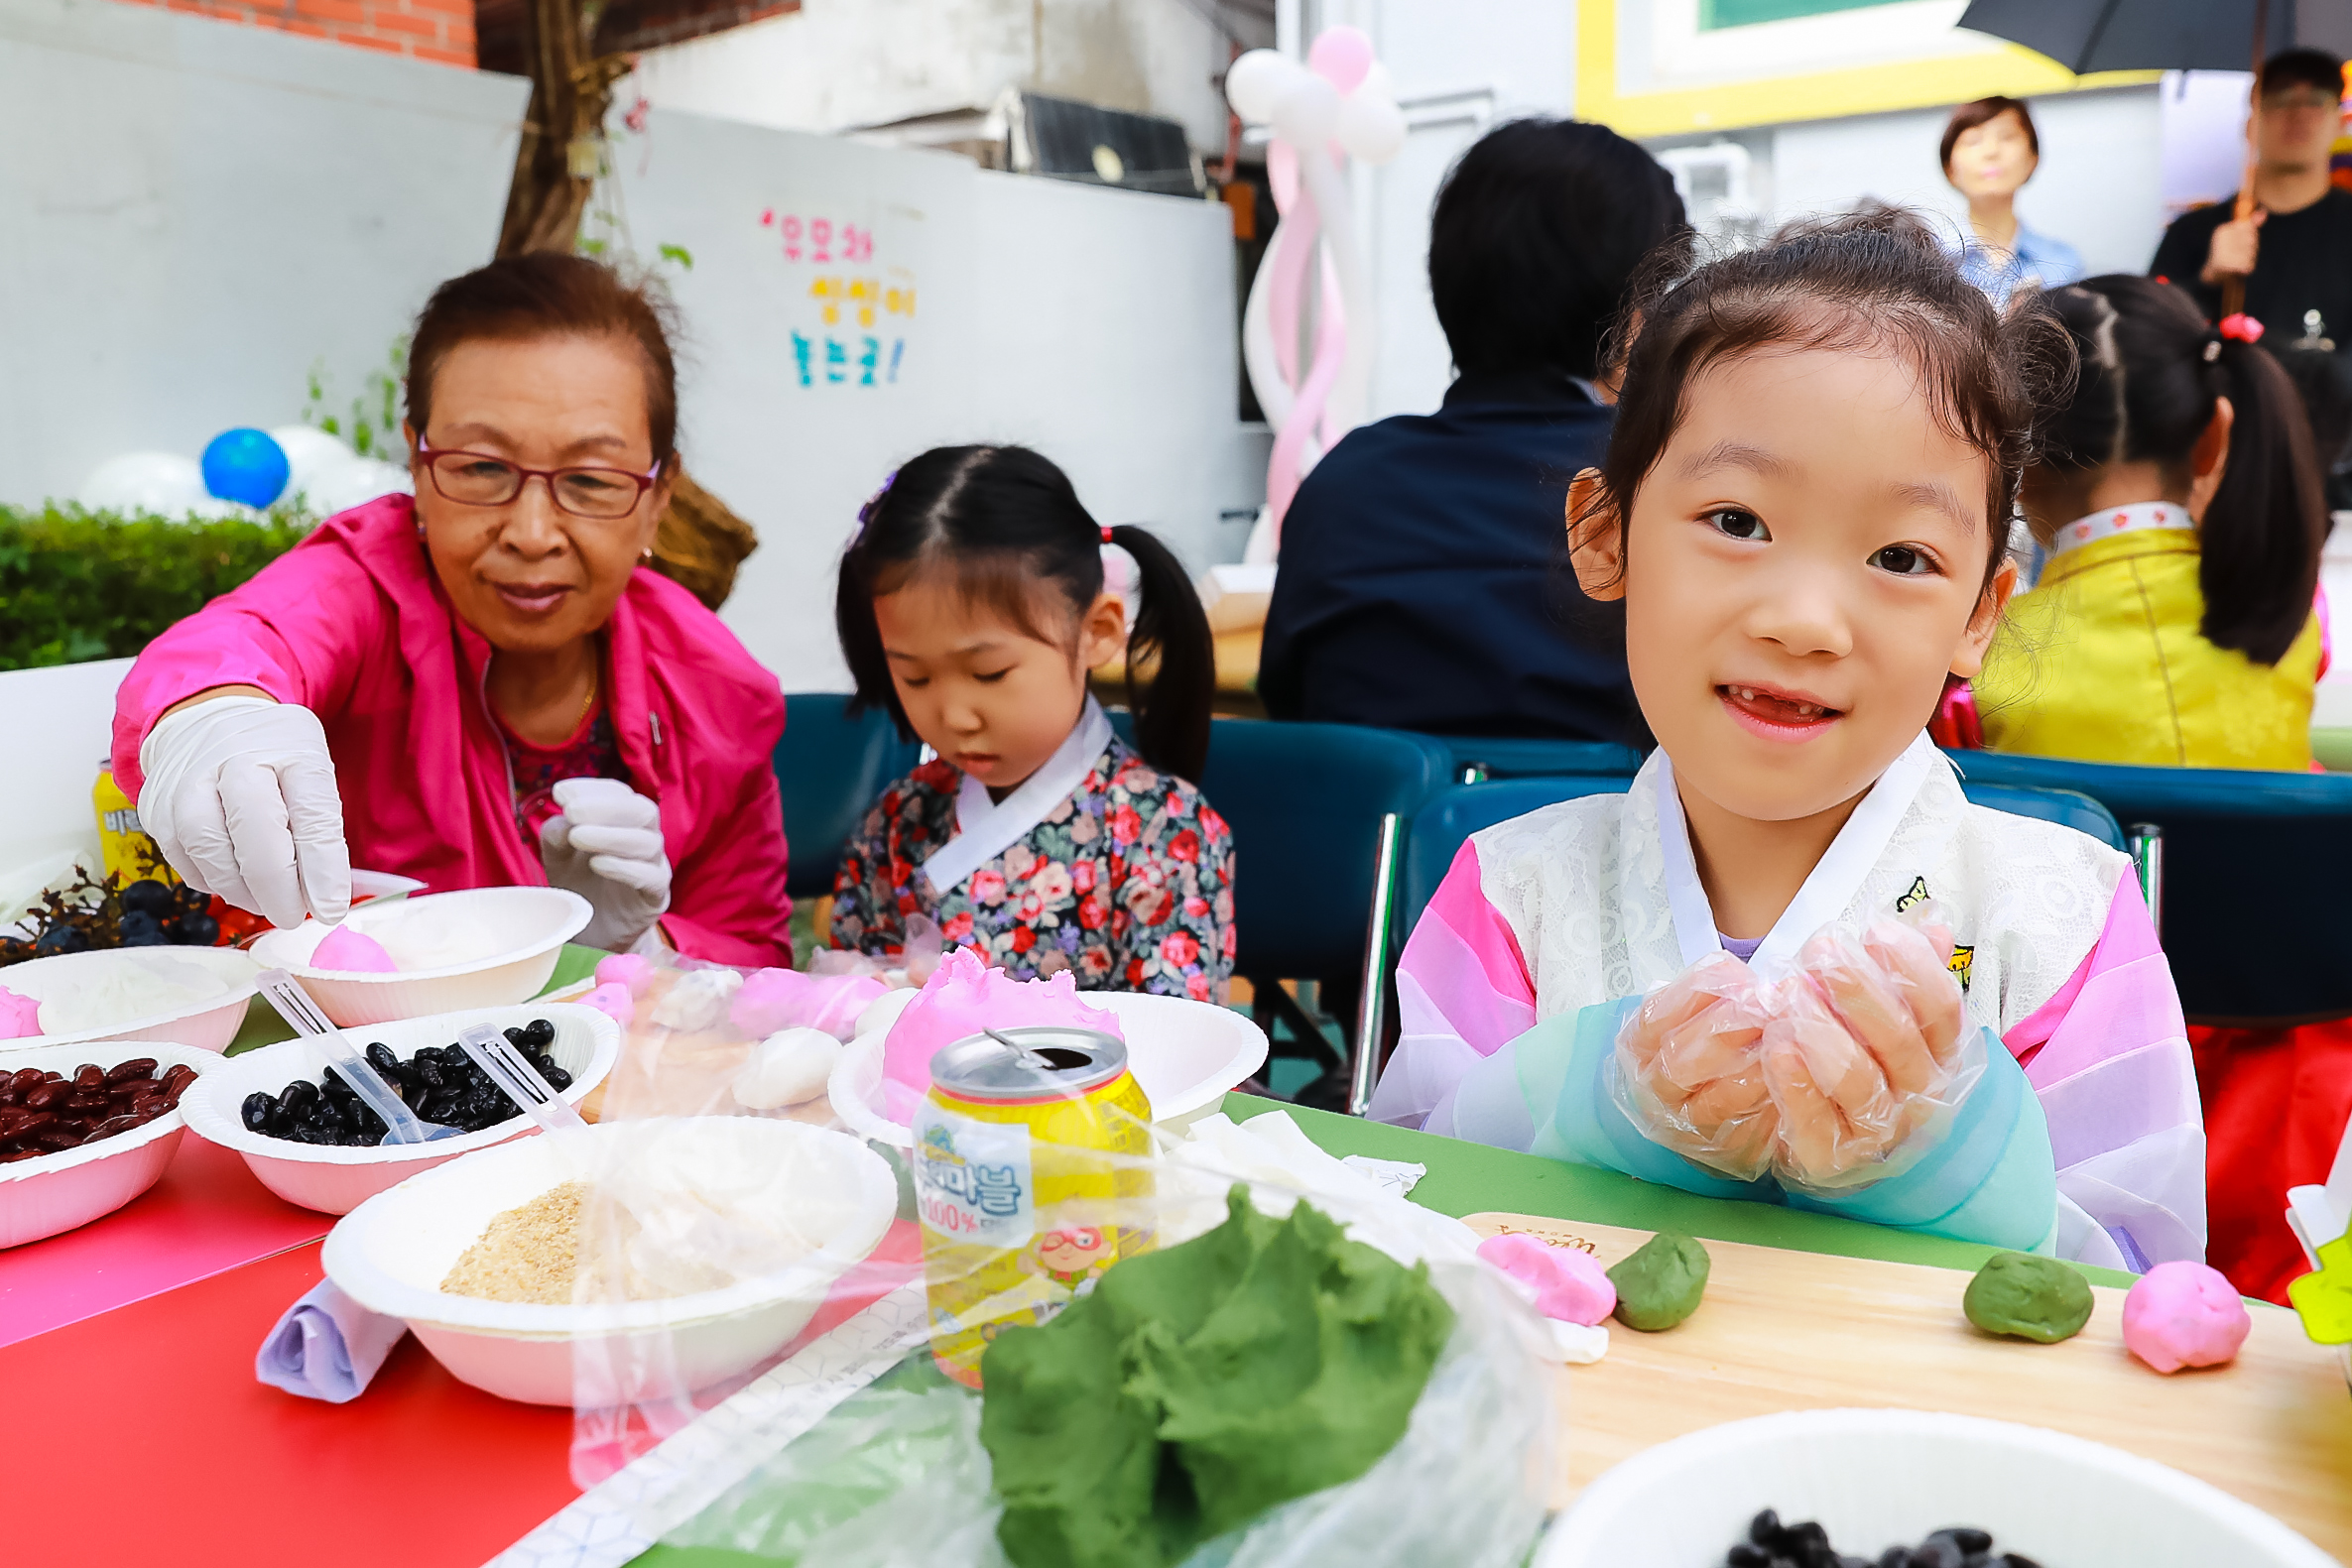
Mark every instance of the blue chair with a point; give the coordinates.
(1476, 759)
(830, 768)
(1318, 813)
(2247, 872)
(2066, 808)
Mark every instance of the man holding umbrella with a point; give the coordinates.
(2293, 254)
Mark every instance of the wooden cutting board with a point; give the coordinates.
(1799, 1331)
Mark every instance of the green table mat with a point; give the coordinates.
(263, 1026)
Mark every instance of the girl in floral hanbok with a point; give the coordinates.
(971, 606)
(1793, 964)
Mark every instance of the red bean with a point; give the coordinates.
(136, 1067)
(45, 1096)
(89, 1075)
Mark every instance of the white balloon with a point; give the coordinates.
(1307, 113)
(310, 452)
(161, 484)
(1377, 83)
(1371, 128)
(1256, 82)
(355, 481)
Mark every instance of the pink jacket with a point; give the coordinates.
(353, 624)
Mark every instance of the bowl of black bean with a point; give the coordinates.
(312, 1141)
(1906, 1488)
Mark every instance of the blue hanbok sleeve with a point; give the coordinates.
(1990, 1178)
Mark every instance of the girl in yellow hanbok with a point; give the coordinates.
(2183, 513)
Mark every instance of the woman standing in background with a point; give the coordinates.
(1990, 151)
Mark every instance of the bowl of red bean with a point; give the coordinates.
(85, 1128)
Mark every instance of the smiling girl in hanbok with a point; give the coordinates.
(971, 606)
(1791, 963)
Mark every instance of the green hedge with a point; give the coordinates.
(76, 585)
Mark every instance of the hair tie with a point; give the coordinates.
(2243, 327)
(2212, 349)
(1106, 533)
(865, 514)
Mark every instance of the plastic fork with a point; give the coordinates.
(496, 1055)
(401, 1125)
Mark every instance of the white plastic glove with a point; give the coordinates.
(606, 846)
(241, 799)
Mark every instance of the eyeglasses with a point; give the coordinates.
(477, 479)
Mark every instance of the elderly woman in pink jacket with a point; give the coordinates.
(479, 687)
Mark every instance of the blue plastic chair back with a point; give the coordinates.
(2254, 866)
(1306, 801)
(1525, 756)
(2066, 808)
(1442, 826)
(830, 768)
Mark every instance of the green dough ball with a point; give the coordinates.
(1195, 1388)
(1661, 1283)
(2028, 1297)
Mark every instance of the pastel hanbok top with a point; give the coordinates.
(2083, 1136)
(1099, 864)
(2103, 660)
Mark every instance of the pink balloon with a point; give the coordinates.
(1341, 55)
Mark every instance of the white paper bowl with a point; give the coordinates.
(1878, 1478)
(58, 1192)
(1184, 1055)
(535, 924)
(336, 1180)
(391, 1254)
(205, 1026)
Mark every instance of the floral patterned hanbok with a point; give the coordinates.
(1127, 880)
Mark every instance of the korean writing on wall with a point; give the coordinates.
(852, 311)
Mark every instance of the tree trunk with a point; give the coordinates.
(699, 541)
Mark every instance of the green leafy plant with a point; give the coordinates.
(372, 425)
(77, 585)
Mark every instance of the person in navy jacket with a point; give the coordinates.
(1416, 588)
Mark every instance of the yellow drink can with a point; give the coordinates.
(129, 853)
(1027, 1178)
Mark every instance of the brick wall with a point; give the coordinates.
(435, 30)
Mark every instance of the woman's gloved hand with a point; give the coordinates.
(241, 799)
(1688, 1072)
(606, 846)
(1862, 1050)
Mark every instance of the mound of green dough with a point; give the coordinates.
(2027, 1297)
(1661, 1283)
(1194, 1389)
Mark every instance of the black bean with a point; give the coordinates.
(380, 1058)
(1968, 1538)
(257, 1107)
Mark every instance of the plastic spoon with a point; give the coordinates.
(496, 1055)
(401, 1125)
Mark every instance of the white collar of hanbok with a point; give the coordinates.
(985, 828)
(2137, 517)
(1835, 879)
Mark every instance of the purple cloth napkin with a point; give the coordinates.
(327, 1346)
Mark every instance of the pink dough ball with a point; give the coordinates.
(20, 1016)
(632, 971)
(353, 953)
(1570, 1283)
(2184, 1314)
(614, 1002)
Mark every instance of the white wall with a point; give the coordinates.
(70, 710)
(196, 212)
(1097, 324)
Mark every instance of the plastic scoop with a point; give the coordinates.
(496, 1055)
(401, 1125)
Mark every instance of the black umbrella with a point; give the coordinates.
(2163, 34)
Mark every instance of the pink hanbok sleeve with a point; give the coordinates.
(2109, 1058)
(1463, 992)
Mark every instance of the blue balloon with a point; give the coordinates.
(246, 466)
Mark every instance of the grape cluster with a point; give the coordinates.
(440, 1083)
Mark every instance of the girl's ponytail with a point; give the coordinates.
(1170, 639)
(2267, 521)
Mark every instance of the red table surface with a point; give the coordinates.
(150, 1414)
(206, 1214)
(158, 1398)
